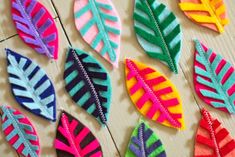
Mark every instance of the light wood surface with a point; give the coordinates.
(123, 114)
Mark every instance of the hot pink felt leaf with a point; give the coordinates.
(73, 139)
(35, 26)
(99, 25)
(19, 132)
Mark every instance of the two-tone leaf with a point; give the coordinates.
(158, 31)
(212, 139)
(73, 139)
(35, 26)
(145, 143)
(88, 84)
(99, 25)
(154, 95)
(19, 132)
(208, 13)
(214, 79)
(31, 86)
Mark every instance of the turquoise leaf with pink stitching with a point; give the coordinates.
(19, 132)
(214, 79)
(99, 25)
(35, 26)
(73, 139)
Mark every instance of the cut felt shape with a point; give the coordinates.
(212, 139)
(154, 95)
(35, 26)
(73, 139)
(145, 143)
(99, 25)
(158, 32)
(31, 86)
(207, 13)
(19, 132)
(214, 79)
(88, 84)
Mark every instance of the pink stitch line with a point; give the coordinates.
(154, 99)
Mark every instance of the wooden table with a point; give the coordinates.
(124, 115)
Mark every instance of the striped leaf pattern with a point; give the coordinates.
(88, 83)
(19, 132)
(158, 32)
(214, 79)
(145, 143)
(99, 25)
(208, 13)
(212, 140)
(31, 86)
(154, 95)
(35, 26)
(73, 139)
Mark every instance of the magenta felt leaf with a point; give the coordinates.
(19, 132)
(73, 139)
(99, 25)
(35, 26)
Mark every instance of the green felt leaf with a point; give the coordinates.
(158, 31)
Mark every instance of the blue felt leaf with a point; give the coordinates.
(31, 86)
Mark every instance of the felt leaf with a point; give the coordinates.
(154, 95)
(214, 79)
(99, 25)
(212, 139)
(35, 26)
(207, 13)
(31, 86)
(19, 132)
(73, 139)
(158, 32)
(88, 84)
(145, 143)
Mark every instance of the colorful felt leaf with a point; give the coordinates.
(31, 86)
(88, 83)
(214, 79)
(145, 143)
(154, 95)
(35, 26)
(19, 132)
(212, 140)
(158, 31)
(99, 25)
(73, 139)
(208, 13)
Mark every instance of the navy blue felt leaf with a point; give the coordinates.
(31, 86)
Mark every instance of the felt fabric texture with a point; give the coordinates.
(31, 86)
(212, 139)
(214, 79)
(73, 139)
(207, 13)
(145, 143)
(19, 132)
(88, 84)
(158, 32)
(154, 95)
(99, 25)
(35, 26)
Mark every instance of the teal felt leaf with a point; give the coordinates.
(145, 143)
(214, 79)
(158, 32)
(31, 86)
(99, 25)
(88, 84)
(19, 132)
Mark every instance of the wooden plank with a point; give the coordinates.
(47, 130)
(7, 28)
